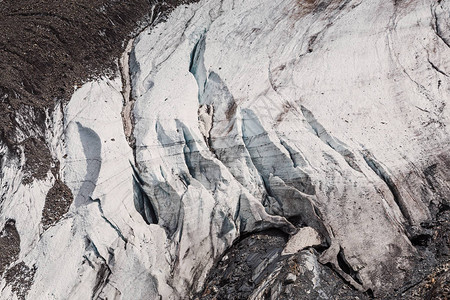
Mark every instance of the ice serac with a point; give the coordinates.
(329, 113)
(323, 121)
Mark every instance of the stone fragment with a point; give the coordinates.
(290, 278)
(305, 237)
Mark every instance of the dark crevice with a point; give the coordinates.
(180, 235)
(420, 240)
(194, 56)
(142, 202)
(208, 139)
(383, 174)
(187, 152)
(437, 69)
(207, 135)
(267, 188)
(197, 68)
(443, 207)
(185, 179)
(238, 210)
(321, 248)
(101, 280)
(369, 293)
(104, 271)
(317, 212)
(346, 268)
(90, 245)
(113, 226)
(340, 275)
(437, 29)
(297, 221)
(330, 141)
(89, 261)
(291, 154)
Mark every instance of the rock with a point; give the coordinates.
(214, 289)
(290, 278)
(249, 261)
(305, 237)
(312, 279)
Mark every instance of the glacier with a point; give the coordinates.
(326, 121)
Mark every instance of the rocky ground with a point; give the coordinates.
(49, 47)
(242, 273)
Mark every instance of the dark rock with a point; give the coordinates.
(20, 277)
(57, 203)
(9, 245)
(290, 278)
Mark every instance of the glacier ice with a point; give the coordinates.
(240, 116)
